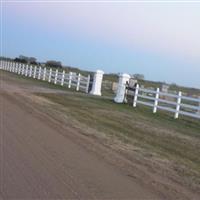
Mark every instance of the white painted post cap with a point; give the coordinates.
(99, 71)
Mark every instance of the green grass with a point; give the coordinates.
(29, 81)
(160, 134)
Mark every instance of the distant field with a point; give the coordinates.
(157, 138)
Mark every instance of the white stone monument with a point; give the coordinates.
(97, 82)
(123, 78)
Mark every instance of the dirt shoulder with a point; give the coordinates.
(85, 161)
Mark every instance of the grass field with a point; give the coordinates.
(157, 136)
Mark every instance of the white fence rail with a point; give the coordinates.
(71, 80)
(175, 103)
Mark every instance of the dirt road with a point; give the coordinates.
(45, 153)
(38, 161)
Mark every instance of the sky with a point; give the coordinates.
(158, 39)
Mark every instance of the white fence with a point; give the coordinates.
(175, 103)
(71, 80)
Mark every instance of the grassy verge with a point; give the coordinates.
(160, 134)
(178, 140)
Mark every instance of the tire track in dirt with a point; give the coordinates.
(38, 162)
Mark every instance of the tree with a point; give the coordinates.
(53, 63)
(25, 59)
(138, 76)
(20, 60)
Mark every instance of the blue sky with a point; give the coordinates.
(158, 39)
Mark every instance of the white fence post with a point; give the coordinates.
(88, 84)
(8, 69)
(26, 72)
(50, 72)
(70, 80)
(14, 64)
(23, 66)
(56, 76)
(121, 89)
(9, 66)
(156, 100)
(44, 74)
(1, 64)
(78, 82)
(63, 78)
(30, 71)
(19, 68)
(39, 73)
(13, 67)
(34, 71)
(136, 96)
(198, 110)
(97, 82)
(178, 104)
(16, 67)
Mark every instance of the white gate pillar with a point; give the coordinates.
(97, 82)
(121, 89)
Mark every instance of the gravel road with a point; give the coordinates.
(39, 161)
